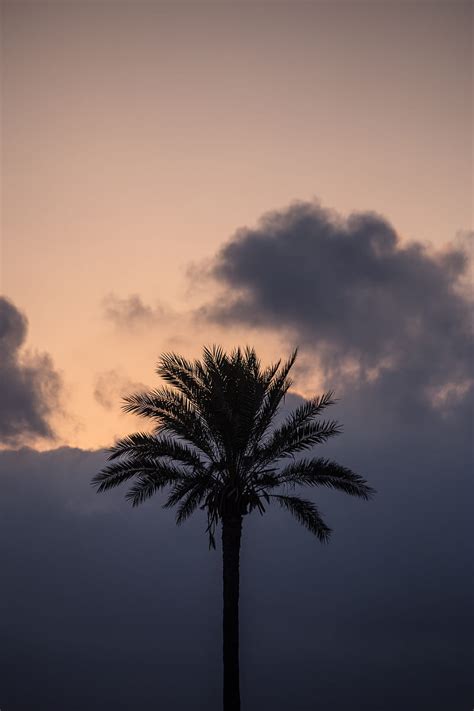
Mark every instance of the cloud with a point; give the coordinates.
(93, 586)
(29, 384)
(370, 311)
(112, 385)
(131, 313)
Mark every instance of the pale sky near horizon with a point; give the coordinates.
(138, 137)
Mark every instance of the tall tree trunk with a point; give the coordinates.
(231, 534)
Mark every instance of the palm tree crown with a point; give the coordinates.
(214, 447)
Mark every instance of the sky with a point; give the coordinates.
(137, 138)
(271, 173)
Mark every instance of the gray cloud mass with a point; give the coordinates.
(29, 384)
(111, 607)
(371, 311)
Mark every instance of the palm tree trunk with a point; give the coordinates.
(231, 535)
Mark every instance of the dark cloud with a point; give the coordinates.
(131, 313)
(110, 607)
(29, 384)
(369, 310)
(112, 385)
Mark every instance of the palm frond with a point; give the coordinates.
(150, 482)
(144, 487)
(174, 414)
(149, 445)
(190, 502)
(287, 440)
(310, 409)
(117, 473)
(306, 513)
(188, 377)
(276, 384)
(182, 488)
(324, 472)
(232, 396)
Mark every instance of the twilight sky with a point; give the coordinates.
(138, 137)
(271, 173)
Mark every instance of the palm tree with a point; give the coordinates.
(216, 446)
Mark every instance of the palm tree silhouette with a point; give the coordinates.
(216, 446)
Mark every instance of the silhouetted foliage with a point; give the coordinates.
(215, 446)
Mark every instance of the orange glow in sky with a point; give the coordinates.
(138, 137)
